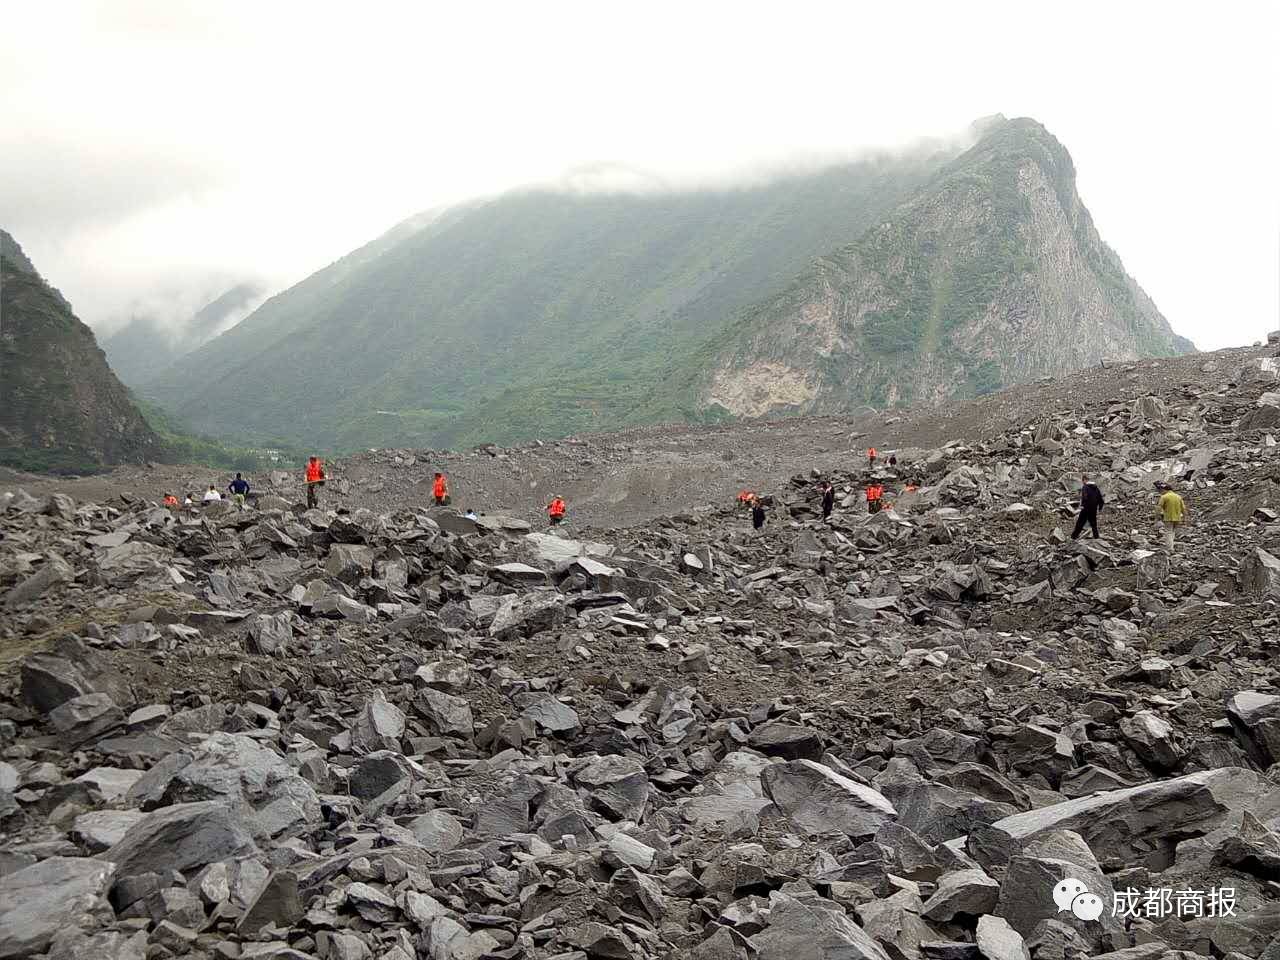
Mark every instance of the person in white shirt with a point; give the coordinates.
(211, 494)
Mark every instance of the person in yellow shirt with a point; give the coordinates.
(1172, 510)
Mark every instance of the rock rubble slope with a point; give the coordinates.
(289, 734)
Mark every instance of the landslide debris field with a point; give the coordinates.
(380, 730)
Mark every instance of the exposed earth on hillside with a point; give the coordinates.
(386, 732)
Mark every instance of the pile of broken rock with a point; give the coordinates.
(282, 734)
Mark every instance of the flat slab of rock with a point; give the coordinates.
(821, 802)
(803, 928)
(100, 830)
(999, 941)
(1126, 823)
(968, 892)
(39, 901)
(183, 837)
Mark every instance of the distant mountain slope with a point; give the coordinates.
(147, 345)
(943, 272)
(61, 407)
(994, 274)
(534, 313)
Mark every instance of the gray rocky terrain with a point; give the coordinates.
(380, 730)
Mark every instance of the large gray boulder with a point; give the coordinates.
(812, 929)
(348, 563)
(962, 892)
(998, 941)
(1032, 879)
(437, 830)
(1260, 574)
(551, 550)
(379, 725)
(791, 741)
(822, 802)
(1255, 719)
(446, 713)
(48, 681)
(47, 897)
(547, 712)
(53, 572)
(271, 797)
(84, 718)
(1127, 823)
(269, 634)
(618, 786)
(184, 837)
(936, 811)
(527, 615)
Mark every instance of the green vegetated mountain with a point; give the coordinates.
(543, 313)
(536, 313)
(147, 345)
(61, 407)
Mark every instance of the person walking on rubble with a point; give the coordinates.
(440, 490)
(315, 479)
(239, 487)
(1091, 503)
(757, 514)
(1172, 510)
(871, 458)
(555, 510)
(828, 499)
(874, 493)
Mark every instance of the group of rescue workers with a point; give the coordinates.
(315, 477)
(1170, 508)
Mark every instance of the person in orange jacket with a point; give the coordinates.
(874, 493)
(315, 479)
(170, 500)
(555, 510)
(871, 458)
(440, 490)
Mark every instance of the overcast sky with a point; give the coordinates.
(153, 152)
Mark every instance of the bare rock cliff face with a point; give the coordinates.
(991, 276)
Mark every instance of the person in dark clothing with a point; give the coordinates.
(1090, 503)
(757, 514)
(828, 499)
(239, 487)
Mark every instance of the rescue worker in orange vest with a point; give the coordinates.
(555, 510)
(440, 490)
(315, 478)
(871, 457)
(170, 500)
(874, 493)
(745, 497)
